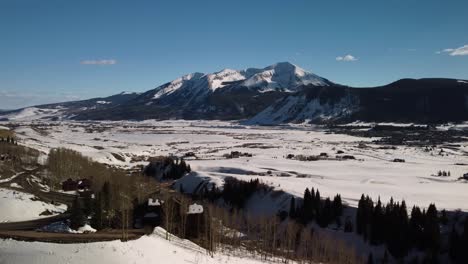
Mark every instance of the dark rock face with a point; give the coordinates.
(407, 100)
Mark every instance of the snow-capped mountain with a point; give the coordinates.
(279, 93)
(226, 94)
(283, 76)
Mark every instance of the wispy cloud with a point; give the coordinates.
(461, 51)
(346, 58)
(99, 62)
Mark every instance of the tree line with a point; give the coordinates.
(391, 225)
(314, 208)
(166, 168)
(287, 236)
(229, 228)
(235, 193)
(17, 155)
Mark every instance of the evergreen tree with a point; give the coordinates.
(106, 196)
(88, 205)
(317, 202)
(325, 214)
(359, 216)
(385, 258)
(96, 221)
(378, 224)
(292, 208)
(337, 206)
(370, 259)
(307, 207)
(348, 227)
(431, 231)
(77, 218)
(415, 231)
(455, 246)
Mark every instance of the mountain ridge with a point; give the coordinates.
(279, 93)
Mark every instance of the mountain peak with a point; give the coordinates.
(283, 65)
(219, 79)
(284, 76)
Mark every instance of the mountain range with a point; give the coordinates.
(276, 94)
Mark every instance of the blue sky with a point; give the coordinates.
(64, 50)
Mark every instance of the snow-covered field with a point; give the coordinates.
(19, 206)
(148, 249)
(373, 171)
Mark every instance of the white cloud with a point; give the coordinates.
(346, 58)
(99, 62)
(461, 51)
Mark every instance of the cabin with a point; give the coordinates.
(78, 185)
(465, 176)
(153, 212)
(236, 154)
(195, 221)
(69, 185)
(189, 154)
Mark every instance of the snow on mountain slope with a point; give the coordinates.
(300, 109)
(147, 249)
(19, 206)
(285, 76)
(185, 81)
(282, 76)
(31, 113)
(219, 79)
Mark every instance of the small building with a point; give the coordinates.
(195, 209)
(84, 184)
(152, 214)
(195, 223)
(190, 154)
(79, 185)
(69, 185)
(465, 176)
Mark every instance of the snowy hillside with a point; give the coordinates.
(299, 109)
(32, 113)
(19, 206)
(148, 249)
(372, 172)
